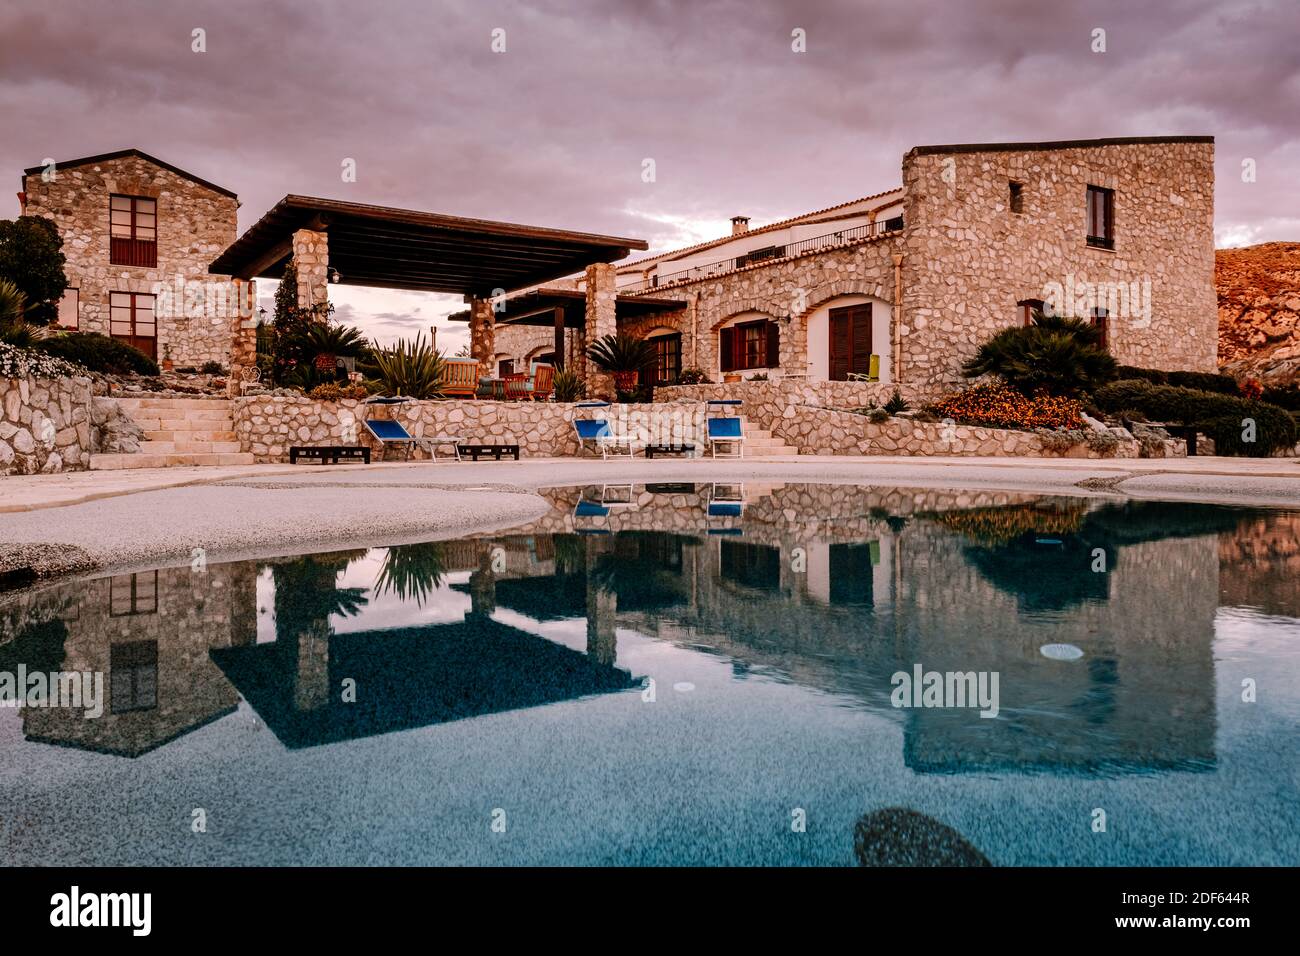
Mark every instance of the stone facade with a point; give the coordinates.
(195, 222)
(963, 261)
(968, 259)
(45, 425)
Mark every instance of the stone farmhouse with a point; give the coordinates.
(1117, 231)
(898, 287)
(132, 227)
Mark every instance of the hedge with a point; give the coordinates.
(1219, 416)
(99, 353)
(1202, 381)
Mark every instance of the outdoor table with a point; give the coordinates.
(496, 451)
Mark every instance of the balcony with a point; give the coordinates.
(831, 240)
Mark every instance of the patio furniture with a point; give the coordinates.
(496, 451)
(490, 388)
(432, 444)
(328, 454)
(517, 387)
(595, 433)
(725, 431)
(670, 448)
(543, 381)
(871, 375)
(388, 432)
(459, 377)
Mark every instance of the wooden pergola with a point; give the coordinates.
(389, 248)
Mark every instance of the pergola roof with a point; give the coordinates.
(537, 307)
(409, 249)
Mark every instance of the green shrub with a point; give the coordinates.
(1056, 355)
(1206, 382)
(896, 403)
(1221, 417)
(410, 367)
(693, 376)
(569, 386)
(213, 368)
(1154, 375)
(1284, 396)
(99, 353)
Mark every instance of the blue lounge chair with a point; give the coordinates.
(725, 431)
(388, 432)
(595, 433)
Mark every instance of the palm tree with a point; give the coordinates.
(14, 329)
(624, 356)
(1058, 355)
(327, 343)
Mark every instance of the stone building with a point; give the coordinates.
(1116, 231)
(138, 234)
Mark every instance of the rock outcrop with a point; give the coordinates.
(1259, 311)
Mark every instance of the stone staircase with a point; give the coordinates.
(760, 442)
(178, 431)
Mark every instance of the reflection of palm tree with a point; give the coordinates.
(897, 836)
(412, 571)
(307, 592)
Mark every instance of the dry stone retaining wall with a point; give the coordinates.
(45, 425)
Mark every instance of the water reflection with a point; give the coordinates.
(827, 587)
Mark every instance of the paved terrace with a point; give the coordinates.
(150, 517)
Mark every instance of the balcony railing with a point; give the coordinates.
(722, 266)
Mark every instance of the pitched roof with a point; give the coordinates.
(770, 227)
(119, 154)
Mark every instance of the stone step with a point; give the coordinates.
(119, 462)
(205, 423)
(188, 435)
(175, 403)
(189, 447)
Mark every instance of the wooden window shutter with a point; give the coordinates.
(773, 345)
(839, 358)
(861, 360)
(727, 349)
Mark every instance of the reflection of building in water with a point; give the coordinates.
(149, 635)
(839, 588)
(1264, 555)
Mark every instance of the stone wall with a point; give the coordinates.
(45, 425)
(194, 224)
(267, 425)
(968, 259)
(766, 401)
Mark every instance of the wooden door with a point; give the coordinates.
(131, 320)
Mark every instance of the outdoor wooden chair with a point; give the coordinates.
(459, 377)
(543, 381)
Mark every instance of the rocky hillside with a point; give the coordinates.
(1259, 311)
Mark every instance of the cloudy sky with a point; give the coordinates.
(554, 130)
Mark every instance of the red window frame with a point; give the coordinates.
(132, 231)
(1027, 309)
(132, 319)
(1101, 320)
(749, 345)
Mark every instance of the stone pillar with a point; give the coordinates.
(602, 613)
(243, 334)
(602, 298)
(483, 585)
(482, 333)
(311, 255)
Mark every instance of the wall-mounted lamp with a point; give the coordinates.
(334, 276)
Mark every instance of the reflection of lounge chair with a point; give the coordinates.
(595, 433)
(725, 431)
(617, 496)
(725, 502)
(388, 432)
(590, 517)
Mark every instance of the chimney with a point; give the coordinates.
(739, 224)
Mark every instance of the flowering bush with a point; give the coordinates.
(1252, 389)
(29, 363)
(998, 406)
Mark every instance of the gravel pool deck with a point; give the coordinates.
(54, 524)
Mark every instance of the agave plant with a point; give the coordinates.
(411, 367)
(1062, 356)
(569, 386)
(326, 343)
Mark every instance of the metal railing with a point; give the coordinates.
(723, 266)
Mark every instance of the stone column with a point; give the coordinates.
(311, 255)
(602, 297)
(482, 333)
(602, 614)
(243, 333)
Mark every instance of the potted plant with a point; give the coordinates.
(731, 377)
(624, 357)
(167, 362)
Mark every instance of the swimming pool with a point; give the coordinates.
(686, 673)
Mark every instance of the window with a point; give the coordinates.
(68, 311)
(1017, 196)
(1026, 308)
(133, 676)
(668, 358)
(1101, 321)
(133, 231)
(749, 345)
(1101, 217)
(505, 367)
(852, 567)
(130, 594)
(131, 320)
(756, 566)
(892, 225)
(850, 342)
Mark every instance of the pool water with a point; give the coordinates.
(686, 674)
